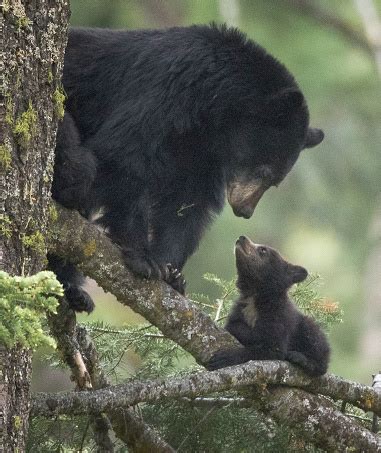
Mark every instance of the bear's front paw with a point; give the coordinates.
(78, 299)
(175, 279)
(141, 264)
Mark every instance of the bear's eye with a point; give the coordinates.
(262, 251)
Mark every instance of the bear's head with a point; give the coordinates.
(262, 271)
(267, 142)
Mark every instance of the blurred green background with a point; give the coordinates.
(326, 215)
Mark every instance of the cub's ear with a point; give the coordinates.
(297, 273)
(282, 104)
(314, 137)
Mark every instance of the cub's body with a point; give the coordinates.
(264, 319)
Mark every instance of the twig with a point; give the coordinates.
(64, 328)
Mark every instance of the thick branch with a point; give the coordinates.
(177, 317)
(316, 419)
(258, 373)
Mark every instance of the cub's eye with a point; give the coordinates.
(262, 251)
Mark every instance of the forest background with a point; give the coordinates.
(326, 215)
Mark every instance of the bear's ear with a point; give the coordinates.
(314, 137)
(283, 104)
(297, 273)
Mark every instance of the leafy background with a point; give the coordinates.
(326, 215)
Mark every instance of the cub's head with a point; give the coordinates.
(265, 145)
(261, 269)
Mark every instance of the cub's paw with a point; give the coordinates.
(221, 359)
(229, 357)
(175, 279)
(79, 299)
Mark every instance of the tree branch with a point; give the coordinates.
(64, 328)
(128, 427)
(177, 317)
(320, 413)
(74, 342)
(318, 421)
(258, 373)
(180, 320)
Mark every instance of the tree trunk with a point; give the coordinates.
(31, 102)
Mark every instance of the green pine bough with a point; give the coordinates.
(24, 305)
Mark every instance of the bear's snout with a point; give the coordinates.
(245, 245)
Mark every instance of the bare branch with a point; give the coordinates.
(63, 328)
(259, 373)
(320, 414)
(139, 437)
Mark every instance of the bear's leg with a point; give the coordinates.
(75, 167)
(72, 280)
(309, 348)
(176, 235)
(127, 218)
(266, 341)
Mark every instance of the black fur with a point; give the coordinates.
(159, 123)
(265, 320)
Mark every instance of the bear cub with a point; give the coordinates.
(264, 319)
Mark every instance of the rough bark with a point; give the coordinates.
(32, 47)
(316, 420)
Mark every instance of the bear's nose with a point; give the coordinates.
(241, 239)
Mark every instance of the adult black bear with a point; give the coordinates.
(158, 124)
(264, 319)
